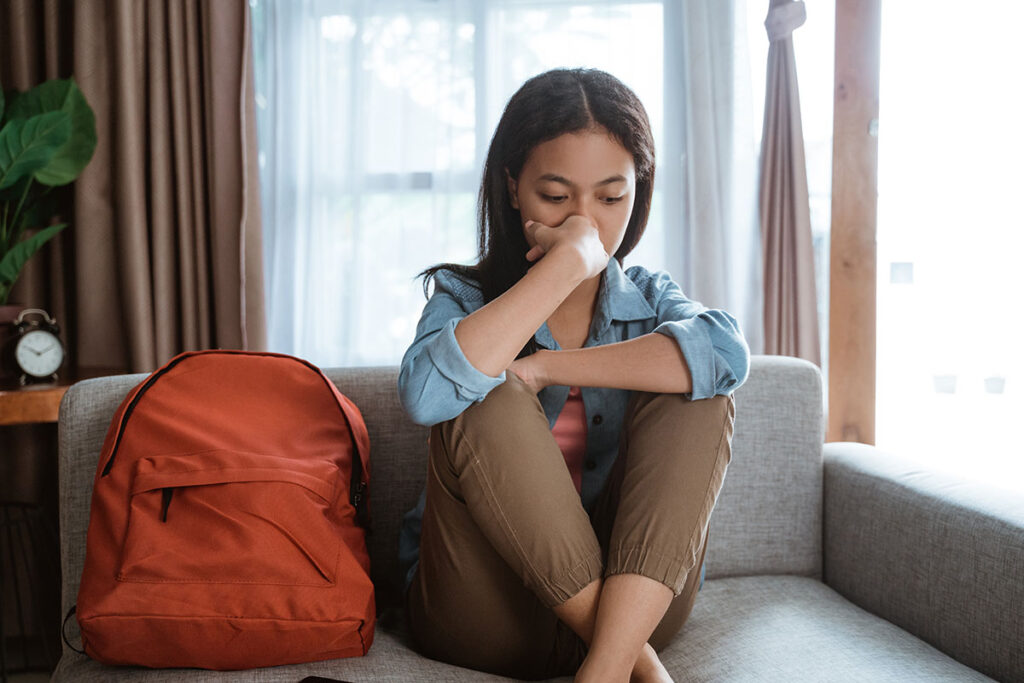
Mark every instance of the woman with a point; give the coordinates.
(581, 414)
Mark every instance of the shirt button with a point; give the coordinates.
(591, 464)
(598, 419)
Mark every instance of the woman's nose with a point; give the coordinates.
(581, 207)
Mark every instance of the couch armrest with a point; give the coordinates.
(941, 557)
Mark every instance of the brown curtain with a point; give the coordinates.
(164, 250)
(790, 300)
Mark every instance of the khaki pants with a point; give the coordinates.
(505, 536)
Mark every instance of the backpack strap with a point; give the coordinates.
(360, 482)
(361, 462)
(63, 632)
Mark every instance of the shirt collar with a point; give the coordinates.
(619, 299)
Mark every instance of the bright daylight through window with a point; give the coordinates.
(950, 380)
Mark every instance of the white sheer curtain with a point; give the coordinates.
(374, 119)
(716, 249)
(366, 124)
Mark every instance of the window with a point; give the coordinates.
(374, 121)
(950, 380)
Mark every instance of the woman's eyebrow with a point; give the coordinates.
(565, 181)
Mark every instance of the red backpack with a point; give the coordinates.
(227, 528)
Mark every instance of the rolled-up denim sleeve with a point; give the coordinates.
(714, 348)
(436, 382)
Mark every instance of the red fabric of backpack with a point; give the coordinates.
(227, 528)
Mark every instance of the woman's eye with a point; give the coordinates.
(553, 198)
(612, 200)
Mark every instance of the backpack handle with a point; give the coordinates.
(63, 631)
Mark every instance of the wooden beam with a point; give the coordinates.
(851, 390)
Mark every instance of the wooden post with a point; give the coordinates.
(851, 391)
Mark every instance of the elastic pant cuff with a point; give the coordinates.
(555, 592)
(670, 571)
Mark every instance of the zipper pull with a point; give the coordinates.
(359, 505)
(165, 503)
(357, 498)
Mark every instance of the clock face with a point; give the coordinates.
(39, 353)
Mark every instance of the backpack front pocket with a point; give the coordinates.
(230, 517)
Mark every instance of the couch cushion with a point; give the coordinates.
(790, 628)
(768, 516)
(389, 660)
(758, 628)
(767, 519)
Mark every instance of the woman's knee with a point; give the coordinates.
(719, 406)
(511, 407)
(509, 401)
(676, 419)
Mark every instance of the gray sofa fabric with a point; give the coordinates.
(940, 557)
(742, 629)
(764, 613)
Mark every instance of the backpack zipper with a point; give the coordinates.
(357, 486)
(128, 412)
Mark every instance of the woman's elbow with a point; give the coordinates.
(422, 407)
(420, 414)
(736, 356)
(413, 398)
(732, 353)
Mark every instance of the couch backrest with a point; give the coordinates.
(767, 519)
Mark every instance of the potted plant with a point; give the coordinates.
(47, 136)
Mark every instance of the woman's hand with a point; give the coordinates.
(577, 234)
(531, 370)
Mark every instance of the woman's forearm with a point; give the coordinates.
(492, 336)
(652, 362)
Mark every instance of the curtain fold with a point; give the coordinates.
(718, 248)
(790, 300)
(164, 249)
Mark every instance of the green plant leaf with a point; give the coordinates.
(11, 194)
(28, 145)
(75, 153)
(1, 104)
(14, 259)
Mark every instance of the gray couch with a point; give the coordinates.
(847, 565)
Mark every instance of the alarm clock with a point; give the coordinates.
(34, 352)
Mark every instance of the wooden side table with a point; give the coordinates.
(40, 403)
(30, 405)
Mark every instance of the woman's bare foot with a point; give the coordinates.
(648, 668)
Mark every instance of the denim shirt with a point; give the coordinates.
(436, 381)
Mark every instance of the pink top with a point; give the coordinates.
(570, 432)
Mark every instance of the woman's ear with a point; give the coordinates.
(513, 186)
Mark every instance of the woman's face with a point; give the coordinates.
(586, 173)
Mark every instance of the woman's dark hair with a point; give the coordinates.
(546, 106)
